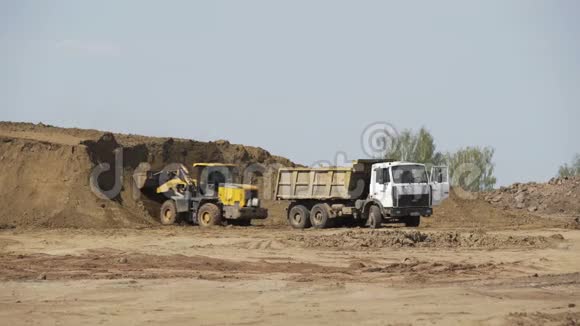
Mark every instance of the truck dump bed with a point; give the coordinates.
(325, 183)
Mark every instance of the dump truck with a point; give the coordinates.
(369, 192)
(208, 196)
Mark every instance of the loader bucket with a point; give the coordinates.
(144, 178)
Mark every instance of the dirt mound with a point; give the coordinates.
(560, 196)
(359, 238)
(49, 178)
(470, 211)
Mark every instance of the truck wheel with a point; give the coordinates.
(168, 213)
(208, 215)
(375, 218)
(299, 217)
(412, 221)
(319, 216)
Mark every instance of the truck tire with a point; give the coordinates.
(412, 221)
(209, 215)
(375, 217)
(319, 216)
(299, 217)
(168, 212)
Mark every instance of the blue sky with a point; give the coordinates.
(303, 78)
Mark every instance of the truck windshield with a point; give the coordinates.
(409, 174)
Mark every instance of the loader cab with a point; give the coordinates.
(211, 175)
(221, 181)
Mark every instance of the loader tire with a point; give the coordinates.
(299, 217)
(209, 215)
(320, 216)
(375, 218)
(168, 213)
(412, 221)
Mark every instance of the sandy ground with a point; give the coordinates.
(275, 275)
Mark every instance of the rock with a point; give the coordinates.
(222, 142)
(571, 305)
(497, 198)
(123, 260)
(520, 198)
(41, 277)
(520, 206)
(532, 209)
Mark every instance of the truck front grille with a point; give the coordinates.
(413, 200)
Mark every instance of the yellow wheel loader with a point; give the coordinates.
(206, 197)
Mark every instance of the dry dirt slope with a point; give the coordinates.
(46, 171)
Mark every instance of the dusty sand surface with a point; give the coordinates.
(275, 275)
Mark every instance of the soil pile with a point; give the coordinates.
(560, 196)
(57, 177)
(469, 210)
(372, 239)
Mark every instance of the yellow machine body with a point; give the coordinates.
(236, 194)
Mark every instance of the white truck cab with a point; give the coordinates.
(405, 189)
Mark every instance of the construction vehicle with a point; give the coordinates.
(369, 192)
(206, 197)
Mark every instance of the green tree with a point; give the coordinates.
(570, 170)
(471, 168)
(414, 147)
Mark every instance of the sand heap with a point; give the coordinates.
(560, 196)
(46, 173)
